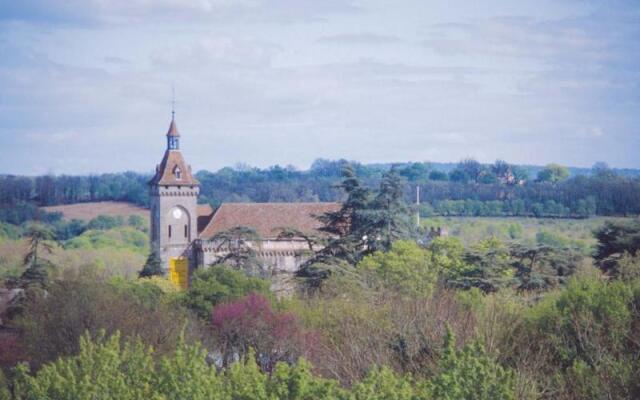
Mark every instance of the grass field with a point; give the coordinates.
(88, 211)
(577, 232)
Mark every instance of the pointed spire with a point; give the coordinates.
(173, 129)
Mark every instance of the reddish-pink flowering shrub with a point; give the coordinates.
(251, 323)
(11, 349)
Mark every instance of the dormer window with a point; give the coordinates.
(177, 172)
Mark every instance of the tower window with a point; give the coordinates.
(186, 231)
(169, 230)
(177, 172)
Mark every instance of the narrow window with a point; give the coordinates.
(186, 231)
(169, 230)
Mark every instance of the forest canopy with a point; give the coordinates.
(468, 188)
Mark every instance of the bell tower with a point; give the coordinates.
(173, 196)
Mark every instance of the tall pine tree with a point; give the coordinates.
(388, 216)
(152, 267)
(40, 240)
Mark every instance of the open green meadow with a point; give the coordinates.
(564, 232)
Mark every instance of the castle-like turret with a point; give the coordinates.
(173, 196)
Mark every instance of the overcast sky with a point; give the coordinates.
(85, 85)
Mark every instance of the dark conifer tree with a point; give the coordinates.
(152, 267)
(40, 240)
(388, 217)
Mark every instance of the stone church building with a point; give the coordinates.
(182, 231)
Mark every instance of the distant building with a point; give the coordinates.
(182, 231)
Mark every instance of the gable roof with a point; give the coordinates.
(165, 171)
(205, 212)
(266, 218)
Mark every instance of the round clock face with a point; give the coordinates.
(177, 213)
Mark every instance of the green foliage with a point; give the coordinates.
(582, 208)
(17, 211)
(553, 173)
(38, 268)
(8, 231)
(52, 323)
(615, 192)
(447, 253)
(185, 374)
(103, 369)
(105, 222)
(628, 268)
(296, 382)
(406, 268)
(388, 214)
(470, 374)
(65, 230)
(553, 239)
(110, 368)
(218, 284)
(615, 238)
(234, 244)
(152, 292)
(349, 224)
(152, 267)
(383, 384)
(4, 387)
(586, 333)
(125, 238)
(361, 226)
(136, 221)
(489, 267)
(588, 317)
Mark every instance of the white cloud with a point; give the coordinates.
(255, 91)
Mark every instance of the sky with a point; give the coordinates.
(86, 85)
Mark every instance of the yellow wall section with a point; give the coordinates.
(179, 272)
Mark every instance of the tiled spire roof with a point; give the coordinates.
(173, 170)
(173, 129)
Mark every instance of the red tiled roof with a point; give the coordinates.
(165, 173)
(265, 218)
(205, 212)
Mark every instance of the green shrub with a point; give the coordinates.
(217, 284)
(406, 268)
(470, 374)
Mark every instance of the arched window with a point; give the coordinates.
(177, 172)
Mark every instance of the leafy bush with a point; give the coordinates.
(104, 222)
(107, 369)
(125, 238)
(218, 284)
(406, 268)
(470, 374)
(51, 324)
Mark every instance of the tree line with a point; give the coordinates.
(467, 189)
